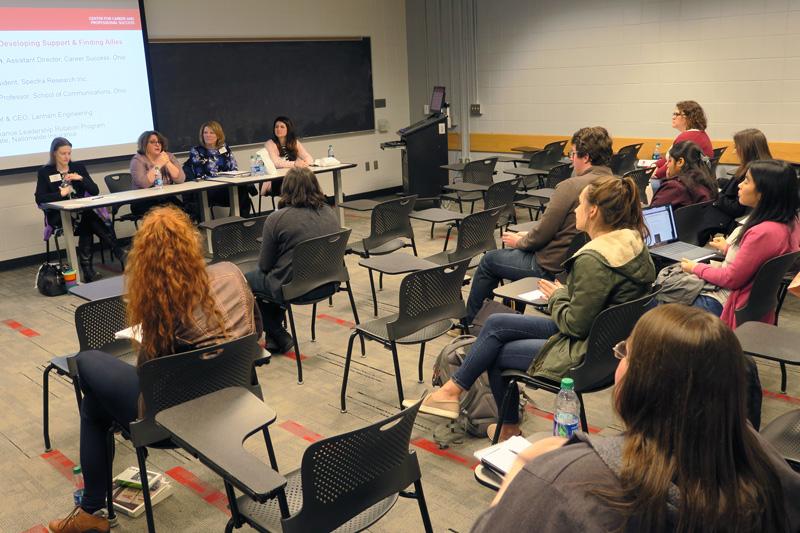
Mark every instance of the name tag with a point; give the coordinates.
(55, 178)
(223, 150)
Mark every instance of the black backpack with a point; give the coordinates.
(50, 279)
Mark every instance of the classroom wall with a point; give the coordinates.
(551, 67)
(382, 20)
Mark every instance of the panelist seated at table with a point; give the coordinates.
(181, 305)
(687, 460)
(151, 161)
(302, 214)
(212, 156)
(61, 179)
(285, 151)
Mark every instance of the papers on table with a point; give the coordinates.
(532, 296)
(327, 162)
(646, 163)
(132, 333)
(234, 173)
(500, 457)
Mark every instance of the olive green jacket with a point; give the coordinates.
(612, 269)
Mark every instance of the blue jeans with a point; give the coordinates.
(506, 342)
(495, 265)
(709, 304)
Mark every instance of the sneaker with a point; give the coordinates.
(446, 409)
(79, 521)
(492, 428)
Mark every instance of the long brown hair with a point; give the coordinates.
(619, 203)
(751, 145)
(166, 280)
(301, 188)
(682, 401)
(291, 136)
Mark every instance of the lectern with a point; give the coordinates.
(424, 150)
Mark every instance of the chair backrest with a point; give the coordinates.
(641, 176)
(612, 325)
(718, 152)
(96, 322)
(555, 151)
(174, 379)
(502, 194)
(390, 220)
(476, 234)
(119, 182)
(764, 293)
(712, 167)
(558, 174)
(344, 475)
(538, 159)
(429, 296)
(480, 171)
(238, 241)
(690, 222)
(188, 170)
(317, 262)
(625, 159)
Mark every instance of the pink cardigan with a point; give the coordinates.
(760, 244)
(274, 154)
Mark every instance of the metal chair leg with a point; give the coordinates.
(372, 288)
(421, 361)
(414, 245)
(380, 281)
(397, 377)
(296, 345)
(236, 519)
(423, 507)
(270, 450)
(46, 406)
(584, 423)
(343, 400)
(503, 410)
(148, 505)
(355, 316)
(314, 323)
(783, 378)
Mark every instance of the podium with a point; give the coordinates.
(424, 151)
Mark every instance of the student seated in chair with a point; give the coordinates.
(687, 460)
(540, 252)
(772, 229)
(688, 178)
(302, 214)
(750, 145)
(613, 268)
(181, 305)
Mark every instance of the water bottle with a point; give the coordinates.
(253, 166)
(77, 480)
(330, 150)
(158, 182)
(567, 413)
(261, 168)
(657, 152)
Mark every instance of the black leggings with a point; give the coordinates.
(110, 393)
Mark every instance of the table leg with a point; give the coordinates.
(338, 195)
(69, 243)
(206, 217)
(233, 196)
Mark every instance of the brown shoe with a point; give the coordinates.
(79, 521)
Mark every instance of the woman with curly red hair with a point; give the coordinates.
(180, 305)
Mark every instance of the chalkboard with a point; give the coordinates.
(324, 86)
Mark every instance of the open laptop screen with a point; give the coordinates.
(660, 222)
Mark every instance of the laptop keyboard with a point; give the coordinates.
(678, 247)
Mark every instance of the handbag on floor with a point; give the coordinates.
(50, 279)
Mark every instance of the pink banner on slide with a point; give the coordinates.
(68, 19)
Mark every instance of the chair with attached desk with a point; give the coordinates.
(171, 380)
(532, 175)
(596, 371)
(430, 300)
(344, 483)
(479, 173)
(641, 176)
(121, 182)
(316, 262)
(625, 159)
(714, 160)
(96, 324)
(537, 198)
(237, 240)
(768, 341)
(690, 222)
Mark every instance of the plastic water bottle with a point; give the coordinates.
(253, 166)
(567, 413)
(260, 166)
(330, 150)
(657, 152)
(159, 181)
(77, 480)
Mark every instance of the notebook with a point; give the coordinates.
(500, 457)
(663, 239)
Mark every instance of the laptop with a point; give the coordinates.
(663, 239)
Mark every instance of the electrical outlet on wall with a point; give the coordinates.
(426, 109)
(375, 165)
(366, 166)
(475, 110)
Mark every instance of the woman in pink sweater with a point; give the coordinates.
(690, 120)
(285, 150)
(772, 229)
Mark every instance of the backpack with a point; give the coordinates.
(50, 280)
(478, 408)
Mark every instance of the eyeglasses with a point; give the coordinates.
(573, 153)
(154, 141)
(677, 114)
(621, 349)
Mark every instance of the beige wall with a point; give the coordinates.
(382, 20)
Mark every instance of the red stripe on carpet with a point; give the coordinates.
(549, 416)
(60, 462)
(300, 431)
(38, 528)
(433, 448)
(782, 397)
(293, 357)
(208, 493)
(13, 324)
(28, 332)
(339, 321)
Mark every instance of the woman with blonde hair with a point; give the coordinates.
(687, 459)
(180, 305)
